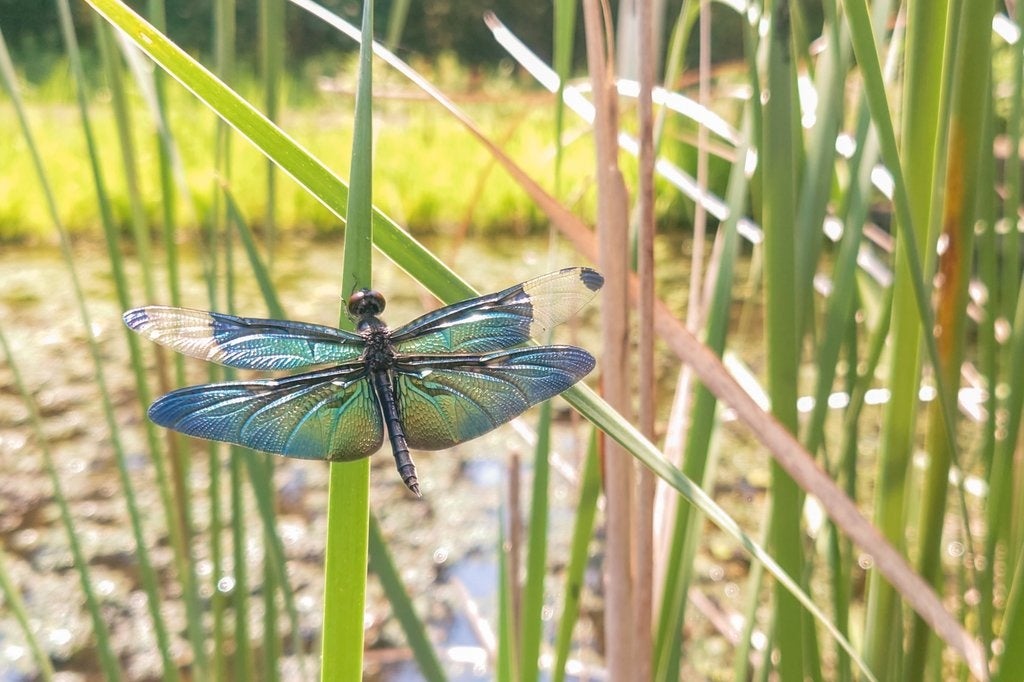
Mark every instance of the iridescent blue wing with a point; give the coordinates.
(328, 414)
(502, 320)
(244, 342)
(446, 400)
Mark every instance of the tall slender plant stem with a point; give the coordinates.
(271, 68)
(970, 98)
(348, 511)
(926, 21)
(105, 653)
(147, 572)
(643, 582)
(611, 226)
(779, 146)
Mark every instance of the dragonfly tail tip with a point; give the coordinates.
(407, 470)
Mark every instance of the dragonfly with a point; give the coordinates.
(444, 378)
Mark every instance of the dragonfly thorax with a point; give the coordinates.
(365, 305)
(379, 354)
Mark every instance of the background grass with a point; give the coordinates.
(409, 137)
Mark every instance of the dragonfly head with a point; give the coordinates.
(366, 303)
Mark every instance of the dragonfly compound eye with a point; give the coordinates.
(366, 302)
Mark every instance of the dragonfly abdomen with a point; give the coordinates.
(385, 390)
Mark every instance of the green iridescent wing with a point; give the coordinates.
(446, 400)
(501, 320)
(245, 342)
(328, 414)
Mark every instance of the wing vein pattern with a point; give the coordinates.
(448, 399)
(299, 416)
(245, 342)
(502, 320)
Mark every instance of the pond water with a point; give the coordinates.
(445, 544)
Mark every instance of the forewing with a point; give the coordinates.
(244, 342)
(447, 400)
(502, 320)
(330, 414)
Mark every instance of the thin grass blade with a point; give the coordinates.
(348, 507)
(532, 624)
(582, 534)
(148, 574)
(383, 566)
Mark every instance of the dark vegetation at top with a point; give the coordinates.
(430, 29)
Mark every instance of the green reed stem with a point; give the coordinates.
(582, 534)
(147, 572)
(12, 596)
(531, 624)
(779, 146)
(348, 495)
(383, 566)
(261, 468)
(272, 42)
(688, 521)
